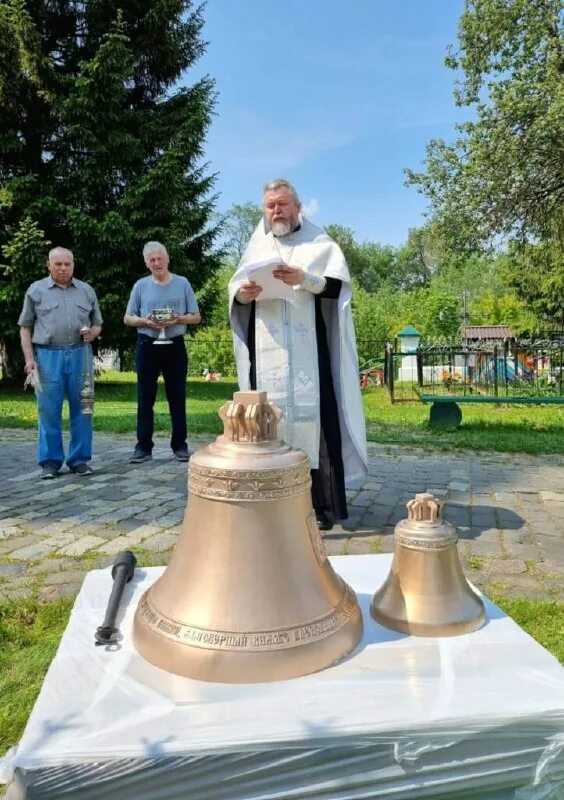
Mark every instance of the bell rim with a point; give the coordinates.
(235, 667)
(342, 613)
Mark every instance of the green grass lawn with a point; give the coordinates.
(116, 405)
(505, 428)
(30, 633)
(527, 429)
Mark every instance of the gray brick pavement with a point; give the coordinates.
(509, 510)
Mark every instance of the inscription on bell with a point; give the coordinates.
(270, 639)
(265, 640)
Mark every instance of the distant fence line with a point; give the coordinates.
(533, 364)
(526, 368)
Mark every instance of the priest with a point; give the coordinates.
(298, 344)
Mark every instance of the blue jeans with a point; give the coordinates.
(61, 370)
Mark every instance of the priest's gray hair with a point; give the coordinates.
(59, 250)
(282, 183)
(152, 247)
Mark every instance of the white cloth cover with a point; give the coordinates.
(286, 346)
(477, 716)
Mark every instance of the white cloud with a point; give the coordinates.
(310, 207)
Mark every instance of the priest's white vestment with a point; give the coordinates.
(286, 344)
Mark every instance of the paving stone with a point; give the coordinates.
(519, 586)
(491, 548)
(488, 534)
(359, 545)
(57, 591)
(160, 542)
(7, 570)
(553, 568)
(351, 522)
(372, 486)
(364, 499)
(11, 522)
(33, 551)
(51, 563)
(552, 550)
(81, 546)
(7, 532)
(141, 532)
(53, 578)
(120, 543)
(506, 566)
(458, 486)
(103, 561)
(386, 543)
(9, 545)
(554, 497)
(17, 593)
(334, 547)
(528, 552)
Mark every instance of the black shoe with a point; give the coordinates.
(81, 469)
(49, 471)
(140, 456)
(324, 522)
(182, 454)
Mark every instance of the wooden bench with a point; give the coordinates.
(445, 410)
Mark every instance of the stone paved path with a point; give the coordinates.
(509, 510)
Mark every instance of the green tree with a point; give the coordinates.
(370, 263)
(416, 260)
(503, 178)
(503, 309)
(100, 149)
(237, 226)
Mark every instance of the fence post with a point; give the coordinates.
(389, 369)
(419, 362)
(496, 392)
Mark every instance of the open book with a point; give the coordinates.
(261, 273)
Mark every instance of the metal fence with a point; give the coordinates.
(531, 368)
(213, 351)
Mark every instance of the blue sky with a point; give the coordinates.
(339, 97)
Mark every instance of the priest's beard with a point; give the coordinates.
(282, 228)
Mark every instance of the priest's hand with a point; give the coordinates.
(291, 276)
(248, 292)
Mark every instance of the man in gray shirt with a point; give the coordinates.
(159, 290)
(59, 320)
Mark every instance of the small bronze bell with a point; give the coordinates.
(249, 594)
(426, 592)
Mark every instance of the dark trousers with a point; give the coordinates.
(151, 360)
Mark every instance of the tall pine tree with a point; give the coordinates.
(101, 148)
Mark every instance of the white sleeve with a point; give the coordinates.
(312, 283)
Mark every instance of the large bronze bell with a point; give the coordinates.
(249, 594)
(426, 592)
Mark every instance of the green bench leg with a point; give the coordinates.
(445, 415)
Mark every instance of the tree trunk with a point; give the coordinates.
(11, 361)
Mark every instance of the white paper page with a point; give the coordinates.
(272, 289)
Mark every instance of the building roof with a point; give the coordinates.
(487, 332)
(409, 330)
